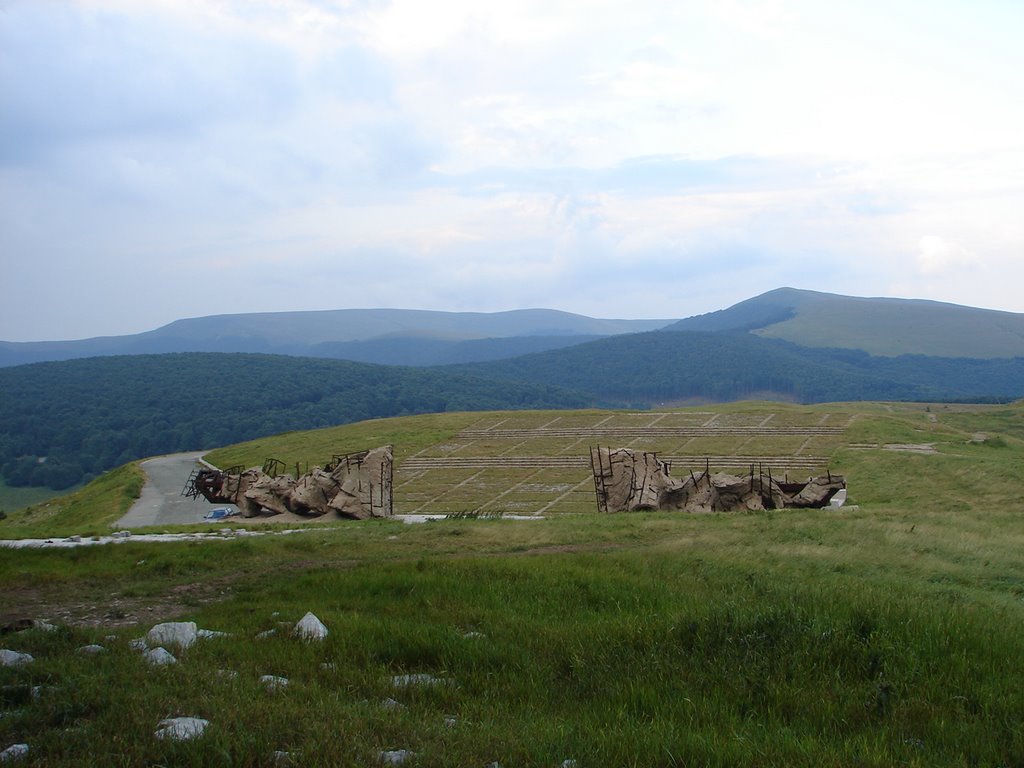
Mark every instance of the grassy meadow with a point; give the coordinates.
(889, 632)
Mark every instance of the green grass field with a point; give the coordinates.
(890, 633)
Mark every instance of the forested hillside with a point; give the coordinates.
(665, 366)
(63, 422)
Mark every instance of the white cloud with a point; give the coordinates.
(936, 256)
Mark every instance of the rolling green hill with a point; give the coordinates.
(879, 326)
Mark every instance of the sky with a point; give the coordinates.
(163, 159)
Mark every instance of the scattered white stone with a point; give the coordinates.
(275, 614)
(451, 722)
(43, 626)
(138, 644)
(180, 633)
(91, 650)
(120, 534)
(310, 628)
(210, 634)
(181, 728)
(14, 752)
(396, 756)
(280, 757)
(273, 682)
(392, 704)
(328, 666)
(159, 657)
(474, 636)
(569, 763)
(495, 764)
(405, 681)
(14, 658)
(110, 638)
(265, 634)
(74, 538)
(227, 674)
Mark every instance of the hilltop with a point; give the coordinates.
(878, 326)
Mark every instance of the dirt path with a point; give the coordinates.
(161, 502)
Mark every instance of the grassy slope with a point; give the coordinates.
(879, 636)
(892, 327)
(879, 326)
(89, 511)
(19, 498)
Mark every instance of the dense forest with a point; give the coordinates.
(666, 366)
(64, 422)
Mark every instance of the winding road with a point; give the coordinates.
(161, 502)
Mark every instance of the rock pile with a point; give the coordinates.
(356, 486)
(629, 481)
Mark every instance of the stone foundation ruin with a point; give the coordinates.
(354, 485)
(627, 481)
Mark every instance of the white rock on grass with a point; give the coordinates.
(569, 763)
(265, 634)
(211, 634)
(227, 674)
(91, 650)
(181, 728)
(273, 682)
(396, 756)
(180, 633)
(13, 753)
(10, 658)
(392, 704)
(43, 625)
(405, 681)
(280, 757)
(310, 628)
(138, 644)
(159, 657)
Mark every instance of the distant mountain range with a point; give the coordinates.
(385, 336)
(878, 326)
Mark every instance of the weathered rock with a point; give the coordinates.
(396, 756)
(628, 481)
(210, 634)
(159, 657)
(91, 650)
(14, 753)
(818, 491)
(356, 485)
(10, 658)
(138, 644)
(177, 633)
(310, 628)
(181, 728)
(274, 683)
(406, 681)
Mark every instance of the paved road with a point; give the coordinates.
(161, 502)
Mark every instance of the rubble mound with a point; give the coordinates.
(628, 481)
(354, 485)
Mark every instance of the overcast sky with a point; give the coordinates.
(162, 159)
